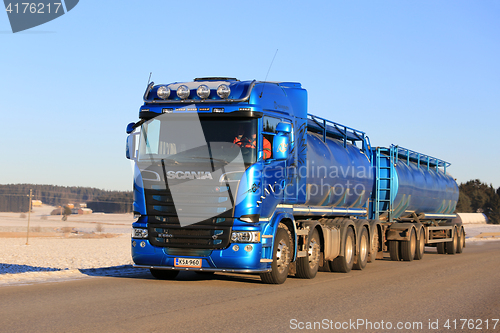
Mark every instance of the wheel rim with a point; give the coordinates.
(363, 247)
(455, 240)
(348, 249)
(282, 255)
(313, 253)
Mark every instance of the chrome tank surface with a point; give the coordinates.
(337, 176)
(423, 190)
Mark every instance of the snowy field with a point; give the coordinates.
(75, 250)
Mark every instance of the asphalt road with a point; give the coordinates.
(418, 296)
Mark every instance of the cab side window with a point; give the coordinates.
(269, 125)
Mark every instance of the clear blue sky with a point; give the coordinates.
(421, 74)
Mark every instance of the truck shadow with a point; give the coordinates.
(17, 269)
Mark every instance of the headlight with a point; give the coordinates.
(223, 91)
(139, 233)
(183, 92)
(245, 237)
(163, 92)
(203, 91)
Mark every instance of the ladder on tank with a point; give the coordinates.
(384, 179)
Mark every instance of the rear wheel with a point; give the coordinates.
(451, 247)
(461, 241)
(162, 274)
(394, 250)
(308, 266)
(408, 247)
(362, 256)
(373, 246)
(441, 248)
(344, 263)
(281, 258)
(420, 248)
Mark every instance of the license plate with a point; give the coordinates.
(187, 262)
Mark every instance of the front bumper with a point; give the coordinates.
(224, 270)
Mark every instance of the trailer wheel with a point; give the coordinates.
(441, 248)
(394, 250)
(451, 247)
(408, 247)
(343, 264)
(373, 246)
(420, 248)
(362, 256)
(163, 274)
(461, 241)
(308, 266)
(281, 259)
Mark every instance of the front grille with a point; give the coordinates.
(200, 201)
(194, 236)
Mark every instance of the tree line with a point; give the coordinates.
(15, 197)
(479, 197)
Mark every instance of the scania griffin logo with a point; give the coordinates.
(189, 175)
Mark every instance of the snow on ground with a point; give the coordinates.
(473, 232)
(64, 257)
(45, 259)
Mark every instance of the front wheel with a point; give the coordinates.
(281, 259)
(308, 266)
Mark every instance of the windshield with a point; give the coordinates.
(176, 139)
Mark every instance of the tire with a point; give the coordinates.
(373, 246)
(451, 247)
(441, 248)
(281, 258)
(461, 241)
(420, 248)
(364, 247)
(343, 264)
(408, 247)
(394, 250)
(163, 274)
(308, 266)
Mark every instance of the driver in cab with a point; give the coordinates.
(251, 142)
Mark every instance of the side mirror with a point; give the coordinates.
(130, 128)
(284, 128)
(131, 151)
(280, 147)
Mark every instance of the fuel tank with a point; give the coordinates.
(337, 176)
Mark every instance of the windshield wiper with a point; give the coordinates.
(212, 159)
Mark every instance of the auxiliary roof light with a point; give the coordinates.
(183, 92)
(163, 92)
(223, 91)
(203, 91)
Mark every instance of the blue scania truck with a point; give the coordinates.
(209, 196)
